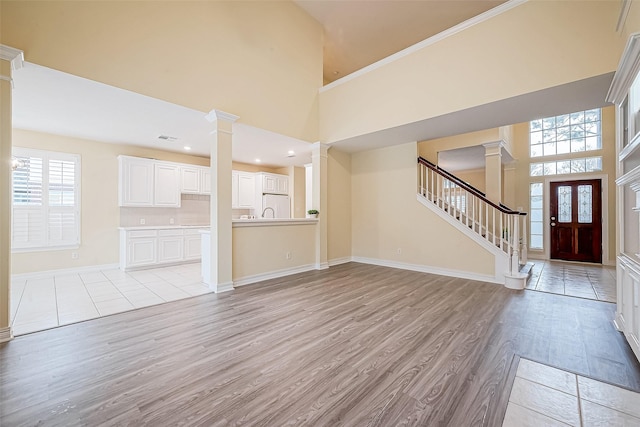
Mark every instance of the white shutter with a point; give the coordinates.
(46, 196)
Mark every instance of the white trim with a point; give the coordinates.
(624, 12)
(338, 261)
(64, 271)
(604, 210)
(221, 287)
(428, 269)
(321, 266)
(247, 280)
(15, 56)
(273, 222)
(6, 334)
(215, 115)
(627, 70)
(498, 10)
(629, 177)
(630, 148)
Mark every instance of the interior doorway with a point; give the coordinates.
(575, 219)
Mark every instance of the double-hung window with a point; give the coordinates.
(45, 200)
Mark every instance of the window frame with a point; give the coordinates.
(46, 209)
(570, 141)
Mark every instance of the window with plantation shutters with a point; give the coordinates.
(46, 200)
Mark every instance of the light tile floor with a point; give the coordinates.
(574, 279)
(44, 303)
(546, 396)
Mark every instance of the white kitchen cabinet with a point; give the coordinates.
(166, 185)
(138, 248)
(192, 244)
(195, 179)
(190, 179)
(151, 247)
(243, 190)
(272, 183)
(147, 182)
(135, 181)
(170, 245)
(205, 181)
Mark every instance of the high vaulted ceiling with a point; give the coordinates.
(361, 32)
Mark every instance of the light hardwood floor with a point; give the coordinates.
(352, 345)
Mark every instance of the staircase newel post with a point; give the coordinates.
(515, 259)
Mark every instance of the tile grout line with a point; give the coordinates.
(55, 298)
(19, 303)
(579, 401)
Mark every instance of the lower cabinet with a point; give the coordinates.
(152, 247)
(192, 247)
(628, 301)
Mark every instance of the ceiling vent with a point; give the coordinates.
(168, 138)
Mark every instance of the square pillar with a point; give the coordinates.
(220, 277)
(493, 171)
(10, 59)
(319, 200)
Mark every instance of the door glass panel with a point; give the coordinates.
(585, 204)
(564, 203)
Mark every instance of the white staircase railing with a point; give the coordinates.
(500, 226)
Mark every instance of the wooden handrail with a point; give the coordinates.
(467, 187)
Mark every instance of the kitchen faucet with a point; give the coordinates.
(273, 213)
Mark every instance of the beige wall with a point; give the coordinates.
(339, 205)
(245, 167)
(474, 177)
(260, 60)
(298, 192)
(100, 214)
(386, 217)
(521, 138)
(482, 64)
(263, 250)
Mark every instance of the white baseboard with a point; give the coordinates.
(63, 271)
(338, 261)
(322, 266)
(273, 275)
(221, 287)
(6, 334)
(428, 269)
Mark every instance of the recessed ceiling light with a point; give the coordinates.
(186, 147)
(257, 160)
(291, 153)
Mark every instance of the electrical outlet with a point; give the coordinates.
(142, 221)
(74, 255)
(288, 255)
(399, 251)
(171, 221)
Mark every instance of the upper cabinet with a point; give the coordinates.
(273, 183)
(136, 181)
(195, 179)
(243, 190)
(166, 185)
(148, 183)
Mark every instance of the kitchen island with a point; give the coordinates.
(266, 248)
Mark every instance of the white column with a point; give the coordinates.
(509, 193)
(10, 59)
(221, 243)
(493, 171)
(319, 200)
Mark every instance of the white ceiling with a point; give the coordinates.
(359, 33)
(51, 101)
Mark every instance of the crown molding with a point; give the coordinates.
(627, 70)
(215, 115)
(13, 55)
(624, 12)
(498, 10)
